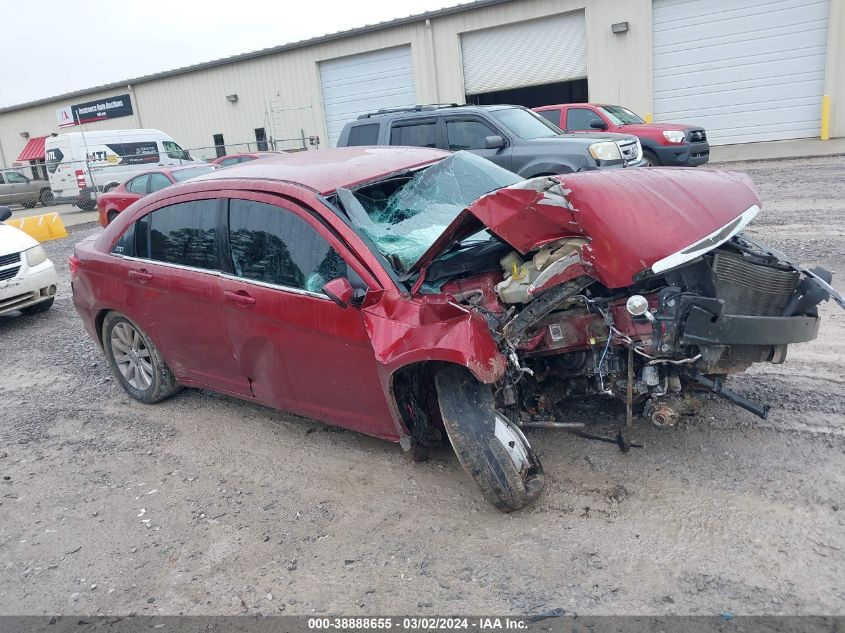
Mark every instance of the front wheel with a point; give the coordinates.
(650, 158)
(489, 447)
(135, 361)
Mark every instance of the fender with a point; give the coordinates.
(540, 169)
(431, 328)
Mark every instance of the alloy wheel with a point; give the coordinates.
(132, 356)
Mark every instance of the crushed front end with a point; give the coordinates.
(650, 301)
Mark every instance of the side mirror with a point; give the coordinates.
(493, 142)
(340, 291)
(597, 124)
(5, 213)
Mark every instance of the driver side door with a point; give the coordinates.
(297, 349)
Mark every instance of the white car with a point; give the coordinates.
(28, 278)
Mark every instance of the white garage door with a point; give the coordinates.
(746, 70)
(525, 54)
(365, 83)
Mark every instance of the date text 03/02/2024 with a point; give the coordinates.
(419, 623)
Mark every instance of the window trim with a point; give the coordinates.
(473, 118)
(422, 120)
(325, 232)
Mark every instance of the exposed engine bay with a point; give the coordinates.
(667, 335)
(638, 286)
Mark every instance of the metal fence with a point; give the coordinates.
(61, 179)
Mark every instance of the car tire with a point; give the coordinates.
(46, 197)
(110, 216)
(88, 205)
(109, 187)
(135, 361)
(29, 203)
(41, 306)
(491, 449)
(650, 158)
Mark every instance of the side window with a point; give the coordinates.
(363, 135)
(234, 160)
(138, 185)
(276, 246)
(580, 118)
(416, 134)
(551, 115)
(1, 179)
(186, 234)
(158, 181)
(126, 244)
(14, 178)
(467, 134)
(174, 151)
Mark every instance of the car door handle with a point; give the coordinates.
(140, 275)
(239, 297)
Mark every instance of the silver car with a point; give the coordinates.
(15, 188)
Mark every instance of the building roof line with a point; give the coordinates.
(264, 52)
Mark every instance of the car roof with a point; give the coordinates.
(324, 170)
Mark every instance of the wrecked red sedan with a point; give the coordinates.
(417, 296)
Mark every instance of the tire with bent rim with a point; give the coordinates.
(491, 449)
(135, 361)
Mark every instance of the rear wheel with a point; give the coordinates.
(491, 449)
(46, 197)
(136, 361)
(650, 158)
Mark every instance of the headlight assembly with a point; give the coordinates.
(674, 136)
(35, 255)
(605, 151)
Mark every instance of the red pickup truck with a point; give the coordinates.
(663, 143)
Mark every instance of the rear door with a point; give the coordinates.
(297, 349)
(466, 132)
(176, 295)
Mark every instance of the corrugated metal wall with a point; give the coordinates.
(281, 92)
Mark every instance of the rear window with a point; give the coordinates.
(423, 134)
(185, 234)
(363, 135)
(192, 172)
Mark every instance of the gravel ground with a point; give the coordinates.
(208, 505)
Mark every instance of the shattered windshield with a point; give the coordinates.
(404, 215)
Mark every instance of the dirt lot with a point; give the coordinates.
(208, 505)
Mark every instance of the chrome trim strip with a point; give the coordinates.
(220, 274)
(707, 243)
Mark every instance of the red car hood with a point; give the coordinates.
(633, 218)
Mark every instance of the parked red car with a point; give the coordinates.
(111, 203)
(416, 295)
(235, 159)
(669, 144)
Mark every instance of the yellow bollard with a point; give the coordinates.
(649, 117)
(825, 127)
(42, 227)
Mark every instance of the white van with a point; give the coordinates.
(79, 164)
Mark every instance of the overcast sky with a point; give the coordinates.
(51, 47)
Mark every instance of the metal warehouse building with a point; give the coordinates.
(747, 70)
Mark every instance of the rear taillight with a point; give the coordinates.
(80, 179)
(73, 264)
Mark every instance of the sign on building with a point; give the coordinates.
(99, 110)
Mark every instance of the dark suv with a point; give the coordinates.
(511, 136)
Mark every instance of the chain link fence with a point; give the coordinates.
(78, 172)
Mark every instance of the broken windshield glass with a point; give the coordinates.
(404, 215)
